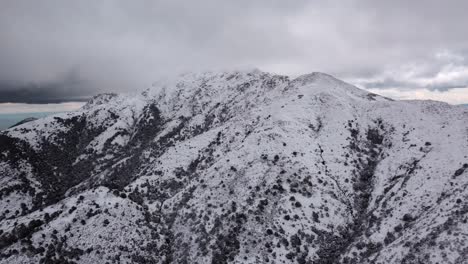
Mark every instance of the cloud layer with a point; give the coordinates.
(56, 50)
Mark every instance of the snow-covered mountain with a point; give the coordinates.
(238, 167)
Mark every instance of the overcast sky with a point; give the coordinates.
(54, 51)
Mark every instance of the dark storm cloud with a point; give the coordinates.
(67, 88)
(125, 45)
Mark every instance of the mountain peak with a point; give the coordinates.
(314, 76)
(231, 83)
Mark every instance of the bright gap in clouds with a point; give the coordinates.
(453, 96)
(13, 108)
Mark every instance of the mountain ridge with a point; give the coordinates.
(238, 167)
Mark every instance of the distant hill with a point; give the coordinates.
(28, 119)
(12, 119)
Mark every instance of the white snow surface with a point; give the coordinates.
(239, 167)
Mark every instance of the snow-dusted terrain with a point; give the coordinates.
(238, 167)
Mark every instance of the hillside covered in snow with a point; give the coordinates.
(238, 167)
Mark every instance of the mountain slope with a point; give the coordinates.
(238, 167)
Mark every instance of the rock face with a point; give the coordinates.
(238, 167)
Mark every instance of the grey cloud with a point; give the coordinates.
(126, 45)
(67, 88)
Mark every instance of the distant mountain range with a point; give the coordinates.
(238, 167)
